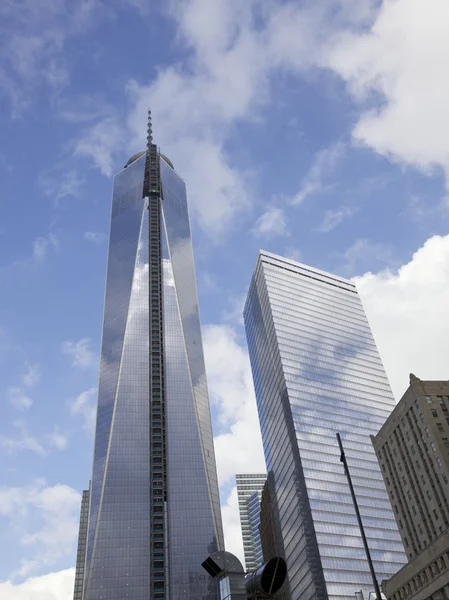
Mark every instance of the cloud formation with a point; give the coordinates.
(80, 353)
(85, 405)
(397, 71)
(43, 519)
(53, 586)
(407, 310)
(271, 223)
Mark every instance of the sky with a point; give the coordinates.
(317, 130)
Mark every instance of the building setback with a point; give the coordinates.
(249, 492)
(316, 372)
(413, 451)
(154, 510)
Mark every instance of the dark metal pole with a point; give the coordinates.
(359, 518)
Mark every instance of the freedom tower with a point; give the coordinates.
(152, 513)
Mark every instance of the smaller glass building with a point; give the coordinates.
(249, 492)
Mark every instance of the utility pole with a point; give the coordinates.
(359, 518)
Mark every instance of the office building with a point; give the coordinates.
(249, 491)
(316, 372)
(154, 511)
(413, 451)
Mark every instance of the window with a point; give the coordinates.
(421, 417)
(429, 399)
(435, 514)
(409, 494)
(429, 495)
(404, 481)
(434, 413)
(427, 431)
(432, 445)
(440, 427)
(400, 523)
(445, 479)
(439, 463)
(406, 542)
(414, 510)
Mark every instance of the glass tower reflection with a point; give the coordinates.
(154, 504)
(317, 371)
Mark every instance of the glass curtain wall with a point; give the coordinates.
(120, 529)
(317, 371)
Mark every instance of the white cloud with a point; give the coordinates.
(57, 440)
(53, 586)
(32, 375)
(44, 520)
(86, 406)
(322, 167)
(60, 182)
(271, 223)
(17, 395)
(231, 526)
(101, 144)
(362, 253)
(94, 237)
(19, 399)
(24, 440)
(32, 46)
(81, 353)
(239, 447)
(333, 218)
(400, 67)
(41, 246)
(407, 310)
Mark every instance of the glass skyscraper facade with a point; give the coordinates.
(154, 511)
(317, 371)
(249, 493)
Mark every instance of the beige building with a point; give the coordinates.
(413, 451)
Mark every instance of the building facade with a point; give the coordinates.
(413, 451)
(316, 372)
(249, 492)
(154, 506)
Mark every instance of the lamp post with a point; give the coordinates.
(359, 518)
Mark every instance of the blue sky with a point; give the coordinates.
(316, 130)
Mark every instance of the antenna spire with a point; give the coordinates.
(149, 130)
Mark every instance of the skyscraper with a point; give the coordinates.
(317, 371)
(154, 511)
(249, 492)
